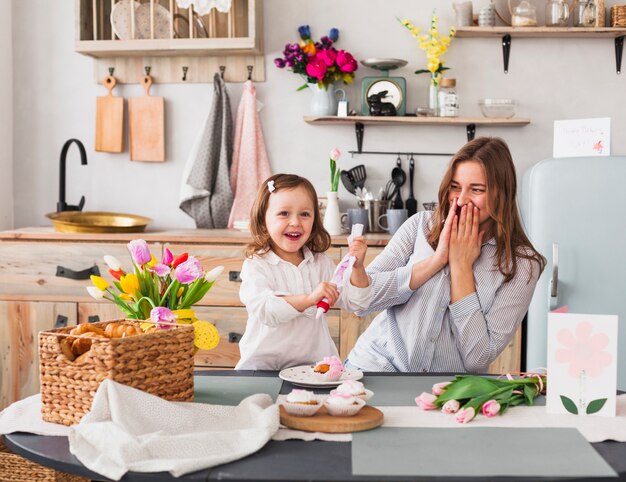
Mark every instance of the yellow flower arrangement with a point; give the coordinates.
(434, 44)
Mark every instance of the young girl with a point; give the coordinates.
(286, 274)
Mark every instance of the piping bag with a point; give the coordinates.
(342, 269)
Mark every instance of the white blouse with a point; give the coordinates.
(277, 335)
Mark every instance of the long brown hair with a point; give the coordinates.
(261, 241)
(511, 241)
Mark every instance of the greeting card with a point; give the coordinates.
(582, 137)
(582, 364)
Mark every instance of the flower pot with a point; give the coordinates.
(332, 217)
(323, 101)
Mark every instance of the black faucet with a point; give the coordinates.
(62, 205)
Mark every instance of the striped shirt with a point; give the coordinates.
(277, 335)
(421, 331)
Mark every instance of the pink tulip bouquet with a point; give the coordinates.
(468, 395)
(162, 292)
(319, 62)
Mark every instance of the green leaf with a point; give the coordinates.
(595, 405)
(422, 71)
(467, 387)
(569, 405)
(529, 394)
(302, 87)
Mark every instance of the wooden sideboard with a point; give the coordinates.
(36, 294)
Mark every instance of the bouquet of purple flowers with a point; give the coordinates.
(319, 62)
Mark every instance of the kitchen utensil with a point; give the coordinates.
(366, 419)
(399, 178)
(411, 203)
(375, 207)
(359, 175)
(109, 120)
(504, 108)
(147, 125)
(97, 222)
(348, 181)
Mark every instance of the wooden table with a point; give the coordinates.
(288, 460)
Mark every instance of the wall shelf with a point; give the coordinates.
(507, 33)
(360, 122)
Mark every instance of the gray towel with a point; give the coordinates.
(206, 194)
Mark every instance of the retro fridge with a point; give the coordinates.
(574, 211)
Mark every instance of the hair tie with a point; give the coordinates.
(270, 186)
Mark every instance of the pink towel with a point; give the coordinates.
(250, 165)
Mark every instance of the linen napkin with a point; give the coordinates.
(131, 430)
(25, 416)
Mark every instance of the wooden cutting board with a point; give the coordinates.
(146, 121)
(366, 419)
(109, 120)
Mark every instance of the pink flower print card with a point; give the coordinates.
(582, 364)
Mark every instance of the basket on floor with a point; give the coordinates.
(618, 16)
(14, 468)
(160, 362)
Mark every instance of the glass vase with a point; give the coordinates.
(332, 216)
(433, 93)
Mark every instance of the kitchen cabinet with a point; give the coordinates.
(157, 35)
(36, 293)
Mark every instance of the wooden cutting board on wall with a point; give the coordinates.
(146, 120)
(109, 120)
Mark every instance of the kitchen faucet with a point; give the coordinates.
(62, 205)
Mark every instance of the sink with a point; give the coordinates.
(97, 222)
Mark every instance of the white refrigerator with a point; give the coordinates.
(574, 211)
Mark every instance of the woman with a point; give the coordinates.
(453, 285)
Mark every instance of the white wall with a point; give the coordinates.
(54, 99)
(6, 119)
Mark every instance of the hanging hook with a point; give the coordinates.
(250, 67)
(222, 70)
(147, 69)
(185, 69)
(111, 70)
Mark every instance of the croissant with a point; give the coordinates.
(85, 328)
(121, 330)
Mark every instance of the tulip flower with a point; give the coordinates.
(466, 415)
(168, 257)
(160, 269)
(212, 275)
(152, 261)
(189, 271)
(163, 317)
(333, 34)
(139, 251)
(439, 388)
(451, 406)
(426, 401)
(116, 274)
(112, 262)
(180, 259)
(99, 282)
(129, 284)
(491, 408)
(95, 292)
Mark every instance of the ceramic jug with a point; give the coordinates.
(324, 100)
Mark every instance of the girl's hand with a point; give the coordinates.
(324, 290)
(465, 239)
(358, 249)
(443, 247)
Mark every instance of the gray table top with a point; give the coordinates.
(286, 460)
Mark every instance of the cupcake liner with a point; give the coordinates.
(365, 396)
(345, 410)
(302, 409)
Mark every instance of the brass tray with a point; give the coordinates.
(97, 222)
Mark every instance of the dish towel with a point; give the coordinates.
(250, 164)
(131, 430)
(206, 194)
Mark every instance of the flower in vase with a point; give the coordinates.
(335, 154)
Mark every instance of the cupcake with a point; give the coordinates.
(355, 388)
(343, 404)
(330, 368)
(302, 403)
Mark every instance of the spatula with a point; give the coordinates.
(147, 125)
(109, 120)
(411, 202)
(348, 181)
(358, 175)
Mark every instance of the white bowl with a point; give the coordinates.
(498, 108)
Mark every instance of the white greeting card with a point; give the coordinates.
(582, 364)
(582, 137)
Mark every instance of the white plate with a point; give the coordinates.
(305, 376)
(161, 21)
(120, 19)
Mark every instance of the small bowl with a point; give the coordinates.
(498, 108)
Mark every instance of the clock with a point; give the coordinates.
(395, 86)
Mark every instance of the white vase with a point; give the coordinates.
(323, 101)
(332, 217)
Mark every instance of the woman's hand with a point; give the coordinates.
(358, 249)
(440, 258)
(324, 290)
(465, 239)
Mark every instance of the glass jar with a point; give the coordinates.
(557, 13)
(524, 15)
(585, 13)
(448, 100)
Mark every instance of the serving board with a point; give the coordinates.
(367, 418)
(147, 126)
(109, 120)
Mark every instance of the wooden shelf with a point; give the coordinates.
(410, 120)
(537, 32)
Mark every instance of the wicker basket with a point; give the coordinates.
(14, 468)
(618, 16)
(160, 363)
